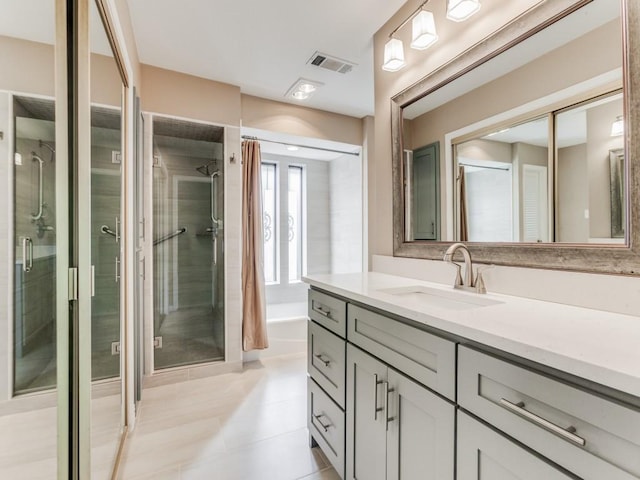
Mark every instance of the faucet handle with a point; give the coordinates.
(458, 281)
(479, 282)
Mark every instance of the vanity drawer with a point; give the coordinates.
(328, 311)
(542, 413)
(326, 361)
(326, 425)
(427, 358)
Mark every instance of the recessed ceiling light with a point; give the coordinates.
(302, 89)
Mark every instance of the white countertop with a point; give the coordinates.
(598, 346)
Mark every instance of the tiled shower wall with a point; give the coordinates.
(345, 185)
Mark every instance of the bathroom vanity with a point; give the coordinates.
(411, 379)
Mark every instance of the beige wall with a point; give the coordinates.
(178, 94)
(27, 67)
(573, 197)
(301, 121)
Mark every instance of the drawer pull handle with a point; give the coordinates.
(566, 433)
(325, 426)
(387, 391)
(323, 360)
(376, 409)
(324, 313)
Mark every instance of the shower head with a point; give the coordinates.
(208, 169)
(36, 157)
(51, 149)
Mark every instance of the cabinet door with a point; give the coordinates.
(366, 419)
(420, 437)
(484, 454)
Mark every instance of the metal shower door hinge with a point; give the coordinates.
(157, 342)
(73, 284)
(115, 348)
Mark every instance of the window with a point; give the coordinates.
(270, 221)
(294, 207)
(283, 234)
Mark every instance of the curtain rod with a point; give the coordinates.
(483, 166)
(249, 137)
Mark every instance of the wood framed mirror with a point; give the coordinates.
(546, 104)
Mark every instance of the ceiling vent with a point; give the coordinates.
(328, 62)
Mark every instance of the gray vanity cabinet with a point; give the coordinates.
(326, 368)
(484, 454)
(396, 428)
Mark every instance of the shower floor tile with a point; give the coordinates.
(244, 426)
(190, 336)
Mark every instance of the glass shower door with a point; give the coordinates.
(188, 196)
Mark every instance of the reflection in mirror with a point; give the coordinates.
(503, 193)
(585, 212)
(106, 247)
(617, 180)
(525, 140)
(28, 262)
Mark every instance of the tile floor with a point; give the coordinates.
(239, 426)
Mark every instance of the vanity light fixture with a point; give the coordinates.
(461, 10)
(393, 55)
(302, 89)
(424, 30)
(617, 127)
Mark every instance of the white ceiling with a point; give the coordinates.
(263, 46)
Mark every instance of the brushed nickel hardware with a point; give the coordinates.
(27, 254)
(73, 284)
(106, 230)
(323, 312)
(387, 391)
(323, 360)
(35, 157)
(376, 409)
(566, 433)
(324, 426)
(115, 348)
(469, 283)
(117, 269)
(169, 236)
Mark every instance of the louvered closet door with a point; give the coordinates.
(535, 223)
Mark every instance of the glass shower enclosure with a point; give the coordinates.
(188, 247)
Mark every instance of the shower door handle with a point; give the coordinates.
(215, 249)
(27, 254)
(117, 230)
(38, 215)
(117, 269)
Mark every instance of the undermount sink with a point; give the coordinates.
(439, 298)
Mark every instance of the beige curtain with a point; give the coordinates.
(254, 314)
(464, 226)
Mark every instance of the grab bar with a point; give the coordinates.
(107, 230)
(180, 231)
(27, 254)
(38, 216)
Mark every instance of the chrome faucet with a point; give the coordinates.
(469, 283)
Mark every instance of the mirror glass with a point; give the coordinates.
(527, 146)
(106, 250)
(29, 306)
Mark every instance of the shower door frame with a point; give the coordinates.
(230, 162)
